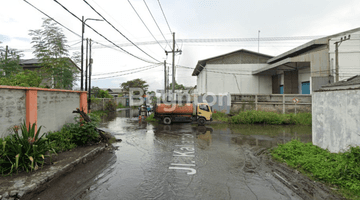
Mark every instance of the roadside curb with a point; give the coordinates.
(39, 181)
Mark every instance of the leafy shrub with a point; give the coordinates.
(220, 116)
(23, 151)
(25, 78)
(61, 140)
(110, 106)
(340, 169)
(104, 94)
(82, 132)
(120, 105)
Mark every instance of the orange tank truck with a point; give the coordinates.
(189, 112)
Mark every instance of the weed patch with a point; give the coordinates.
(220, 116)
(340, 169)
(262, 117)
(151, 118)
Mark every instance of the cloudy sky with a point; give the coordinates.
(189, 19)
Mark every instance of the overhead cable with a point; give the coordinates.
(157, 24)
(103, 35)
(128, 73)
(145, 25)
(52, 18)
(226, 40)
(119, 31)
(121, 71)
(64, 26)
(166, 20)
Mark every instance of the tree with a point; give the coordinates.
(136, 83)
(177, 86)
(9, 62)
(99, 93)
(12, 74)
(51, 49)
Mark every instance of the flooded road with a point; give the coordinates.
(183, 161)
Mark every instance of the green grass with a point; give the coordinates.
(151, 118)
(262, 117)
(220, 116)
(339, 169)
(99, 113)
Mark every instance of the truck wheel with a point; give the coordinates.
(201, 121)
(167, 120)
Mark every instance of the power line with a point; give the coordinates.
(166, 19)
(64, 26)
(319, 72)
(145, 25)
(118, 30)
(156, 24)
(227, 40)
(52, 19)
(121, 71)
(128, 73)
(103, 35)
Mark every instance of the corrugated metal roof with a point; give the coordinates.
(355, 80)
(310, 45)
(35, 63)
(201, 63)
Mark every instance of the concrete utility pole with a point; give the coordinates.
(90, 69)
(86, 63)
(173, 64)
(337, 45)
(82, 48)
(6, 52)
(259, 41)
(82, 54)
(165, 77)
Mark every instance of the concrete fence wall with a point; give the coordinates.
(280, 103)
(100, 103)
(49, 108)
(336, 119)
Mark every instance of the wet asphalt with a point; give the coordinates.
(178, 161)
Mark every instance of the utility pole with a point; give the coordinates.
(337, 45)
(173, 64)
(82, 54)
(82, 47)
(6, 52)
(259, 41)
(90, 69)
(165, 77)
(86, 63)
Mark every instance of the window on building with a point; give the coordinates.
(281, 89)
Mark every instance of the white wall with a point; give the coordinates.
(304, 76)
(349, 56)
(336, 119)
(233, 78)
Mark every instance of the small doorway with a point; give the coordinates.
(305, 87)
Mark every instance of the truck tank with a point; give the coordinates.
(185, 109)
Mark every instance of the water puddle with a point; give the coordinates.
(262, 135)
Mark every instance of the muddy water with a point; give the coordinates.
(184, 161)
(263, 135)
